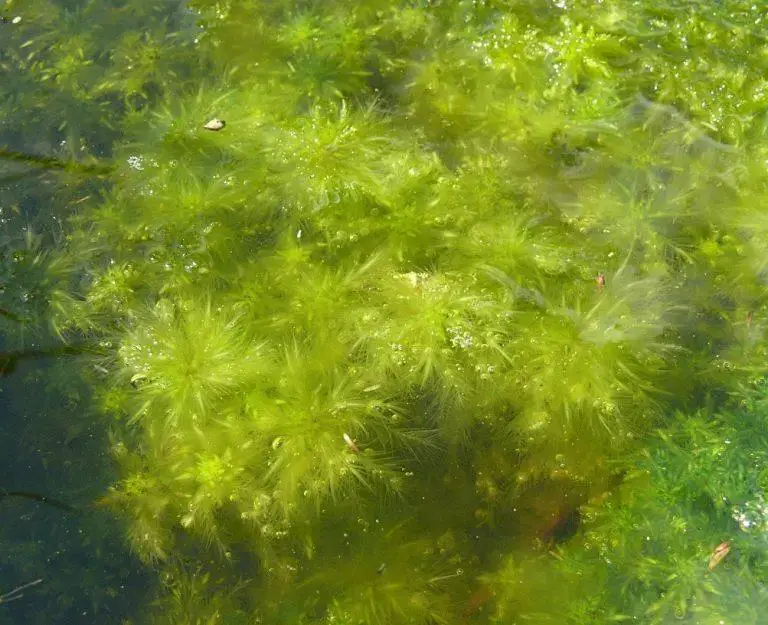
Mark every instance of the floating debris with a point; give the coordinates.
(16, 592)
(352, 444)
(718, 554)
(215, 124)
(600, 282)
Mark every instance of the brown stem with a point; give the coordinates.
(9, 360)
(9, 315)
(52, 162)
(25, 494)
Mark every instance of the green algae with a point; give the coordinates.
(395, 344)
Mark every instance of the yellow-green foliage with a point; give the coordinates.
(188, 363)
(339, 288)
(442, 256)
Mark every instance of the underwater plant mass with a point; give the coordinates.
(384, 312)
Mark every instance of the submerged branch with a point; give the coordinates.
(50, 501)
(9, 315)
(52, 162)
(16, 592)
(9, 360)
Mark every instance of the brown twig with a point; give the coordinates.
(9, 360)
(9, 315)
(52, 162)
(25, 494)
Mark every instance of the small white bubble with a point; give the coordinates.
(135, 162)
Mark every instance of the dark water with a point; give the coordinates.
(55, 447)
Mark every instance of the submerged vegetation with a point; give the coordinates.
(459, 318)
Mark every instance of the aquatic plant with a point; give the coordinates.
(456, 261)
(646, 551)
(443, 282)
(187, 360)
(196, 597)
